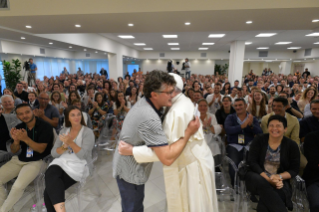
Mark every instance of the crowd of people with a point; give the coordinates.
(265, 120)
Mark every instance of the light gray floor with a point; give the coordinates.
(110, 201)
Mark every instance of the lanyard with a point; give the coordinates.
(32, 132)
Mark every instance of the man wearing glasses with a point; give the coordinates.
(147, 130)
(46, 111)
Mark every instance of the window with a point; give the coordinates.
(3, 84)
(130, 68)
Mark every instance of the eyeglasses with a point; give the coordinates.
(167, 92)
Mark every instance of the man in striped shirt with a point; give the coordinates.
(143, 126)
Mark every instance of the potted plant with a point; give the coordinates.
(11, 73)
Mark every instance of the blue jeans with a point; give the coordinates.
(188, 75)
(132, 196)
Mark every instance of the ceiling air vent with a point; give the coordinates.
(308, 52)
(203, 54)
(4, 4)
(42, 51)
(263, 53)
(162, 54)
(87, 55)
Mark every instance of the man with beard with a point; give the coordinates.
(34, 138)
(189, 180)
(272, 93)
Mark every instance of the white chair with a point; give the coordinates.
(109, 132)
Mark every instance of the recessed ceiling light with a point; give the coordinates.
(70, 47)
(297, 61)
(266, 34)
(316, 43)
(201, 48)
(294, 48)
(126, 36)
(248, 43)
(313, 34)
(131, 25)
(170, 36)
(315, 20)
(77, 25)
(28, 26)
(249, 22)
(96, 52)
(174, 48)
(305, 59)
(85, 50)
(148, 48)
(283, 43)
(216, 35)
(173, 44)
(22, 38)
(104, 52)
(208, 44)
(50, 43)
(263, 48)
(187, 23)
(139, 44)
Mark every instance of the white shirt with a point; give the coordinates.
(215, 106)
(189, 66)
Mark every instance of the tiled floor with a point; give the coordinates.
(110, 201)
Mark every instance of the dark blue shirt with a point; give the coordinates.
(308, 125)
(233, 129)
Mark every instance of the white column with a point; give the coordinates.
(115, 66)
(285, 67)
(236, 61)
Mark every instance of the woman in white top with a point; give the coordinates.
(133, 97)
(258, 107)
(211, 128)
(72, 152)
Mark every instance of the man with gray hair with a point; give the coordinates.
(147, 130)
(192, 173)
(8, 104)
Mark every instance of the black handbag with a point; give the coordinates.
(242, 171)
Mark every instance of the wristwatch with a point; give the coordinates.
(280, 176)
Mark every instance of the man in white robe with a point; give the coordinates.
(189, 181)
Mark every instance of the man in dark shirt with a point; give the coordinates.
(290, 107)
(306, 73)
(21, 93)
(310, 123)
(128, 90)
(34, 137)
(7, 121)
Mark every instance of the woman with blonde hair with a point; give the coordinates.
(307, 96)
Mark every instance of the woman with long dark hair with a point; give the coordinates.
(98, 108)
(72, 152)
(133, 97)
(226, 89)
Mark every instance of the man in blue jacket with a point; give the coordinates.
(241, 128)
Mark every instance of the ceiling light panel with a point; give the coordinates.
(126, 36)
(28, 26)
(23, 38)
(263, 48)
(313, 34)
(208, 44)
(148, 48)
(248, 43)
(315, 20)
(174, 48)
(294, 48)
(202, 48)
(283, 43)
(77, 25)
(265, 35)
(249, 22)
(130, 25)
(139, 44)
(173, 44)
(216, 35)
(316, 43)
(187, 23)
(170, 36)
(50, 43)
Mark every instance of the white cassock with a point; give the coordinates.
(190, 180)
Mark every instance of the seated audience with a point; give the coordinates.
(133, 97)
(46, 111)
(17, 101)
(121, 107)
(98, 109)
(307, 96)
(273, 160)
(34, 138)
(197, 96)
(224, 111)
(258, 108)
(72, 152)
(214, 100)
(20, 93)
(87, 120)
(310, 123)
(290, 109)
(7, 104)
(33, 102)
(241, 127)
(226, 89)
(233, 94)
(7, 122)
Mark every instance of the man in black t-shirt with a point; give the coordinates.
(23, 95)
(34, 137)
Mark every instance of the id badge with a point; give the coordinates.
(29, 152)
(216, 104)
(241, 139)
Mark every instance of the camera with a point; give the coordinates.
(26, 65)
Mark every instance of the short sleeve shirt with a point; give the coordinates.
(51, 112)
(142, 126)
(33, 66)
(42, 132)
